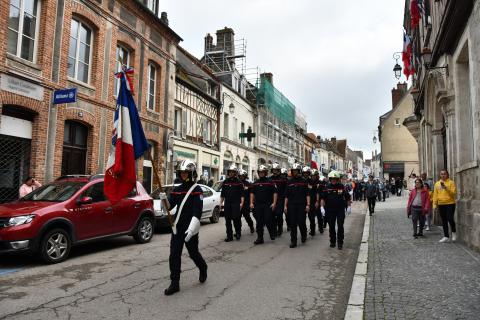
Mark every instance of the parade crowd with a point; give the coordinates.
(279, 197)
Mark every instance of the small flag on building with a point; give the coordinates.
(128, 144)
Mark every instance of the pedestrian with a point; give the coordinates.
(418, 206)
(263, 200)
(314, 213)
(297, 205)
(429, 217)
(444, 194)
(371, 191)
(280, 183)
(333, 201)
(427, 181)
(28, 186)
(188, 199)
(232, 200)
(398, 186)
(202, 180)
(210, 182)
(245, 211)
(383, 189)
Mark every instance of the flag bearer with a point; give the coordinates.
(297, 204)
(188, 199)
(232, 198)
(263, 200)
(334, 199)
(280, 183)
(245, 211)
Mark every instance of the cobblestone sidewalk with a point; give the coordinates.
(417, 278)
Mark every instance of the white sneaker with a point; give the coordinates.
(427, 228)
(454, 236)
(444, 239)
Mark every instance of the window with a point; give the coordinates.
(242, 130)
(79, 52)
(95, 192)
(74, 156)
(122, 58)
(178, 122)
(152, 5)
(23, 28)
(397, 122)
(207, 131)
(152, 74)
(225, 125)
(235, 129)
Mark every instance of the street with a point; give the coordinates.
(117, 279)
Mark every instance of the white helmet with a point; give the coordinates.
(306, 169)
(283, 171)
(233, 168)
(275, 166)
(296, 166)
(262, 167)
(242, 172)
(314, 172)
(188, 166)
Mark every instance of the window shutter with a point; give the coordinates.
(184, 123)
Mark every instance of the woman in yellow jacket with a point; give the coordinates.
(444, 193)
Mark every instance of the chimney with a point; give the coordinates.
(164, 18)
(268, 76)
(334, 142)
(208, 42)
(226, 41)
(398, 93)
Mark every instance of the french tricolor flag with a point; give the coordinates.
(128, 144)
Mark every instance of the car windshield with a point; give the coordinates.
(217, 186)
(55, 191)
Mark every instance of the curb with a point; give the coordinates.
(355, 305)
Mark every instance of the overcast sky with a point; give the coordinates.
(332, 59)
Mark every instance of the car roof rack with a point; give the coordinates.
(72, 176)
(97, 176)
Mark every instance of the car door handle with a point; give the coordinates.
(137, 205)
(109, 210)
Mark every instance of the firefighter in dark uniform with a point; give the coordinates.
(187, 224)
(280, 183)
(232, 198)
(297, 204)
(334, 199)
(322, 220)
(245, 211)
(314, 212)
(263, 199)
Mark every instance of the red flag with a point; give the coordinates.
(407, 54)
(313, 165)
(414, 14)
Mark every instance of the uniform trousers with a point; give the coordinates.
(336, 217)
(264, 216)
(245, 212)
(315, 213)
(297, 217)
(279, 214)
(176, 248)
(231, 211)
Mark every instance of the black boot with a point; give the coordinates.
(258, 241)
(228, 239)
(252, 229)
(238, 235)
(293, 245)
(173, 288)
(203, 276)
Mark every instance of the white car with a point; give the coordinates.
(211, 205)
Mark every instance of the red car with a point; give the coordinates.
(70, 211)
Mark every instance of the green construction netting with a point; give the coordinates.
(275, 101)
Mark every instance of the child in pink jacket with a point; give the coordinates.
(418, 207)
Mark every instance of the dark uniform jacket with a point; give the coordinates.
(263, 189)
(232, 190)
(193, 206)
(297, 191)
(335, 197)
(246, 193)
(281, 184)
(313, 191)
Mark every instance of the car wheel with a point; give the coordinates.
(55, 246)
(144, 231)
(215, 215)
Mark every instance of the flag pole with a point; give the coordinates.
(164, 201)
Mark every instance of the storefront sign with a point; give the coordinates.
(21, 87)
(65, 96)
(393, 167)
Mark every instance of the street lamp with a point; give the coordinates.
(231, 108)
(374, 139)
(397, 69)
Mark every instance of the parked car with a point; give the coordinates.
(211, 205)
(69, 211)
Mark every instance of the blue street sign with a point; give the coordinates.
(65, 96)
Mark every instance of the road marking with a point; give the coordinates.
(7, 271)
(356, 301)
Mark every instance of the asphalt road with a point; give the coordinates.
(118, 279)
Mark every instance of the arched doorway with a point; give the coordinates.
(74, 156)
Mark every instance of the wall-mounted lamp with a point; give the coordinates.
(231, 108)
(427, 60)
(397, 69)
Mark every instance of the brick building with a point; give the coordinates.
(47, 45)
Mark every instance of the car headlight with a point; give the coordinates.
(16, 221)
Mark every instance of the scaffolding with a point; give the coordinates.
(275, 101)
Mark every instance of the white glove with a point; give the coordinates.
(193, 228)
(162, 196)
(322, 210)
(349, 211)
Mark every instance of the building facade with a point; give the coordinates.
(445, 121)
(48, 45)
